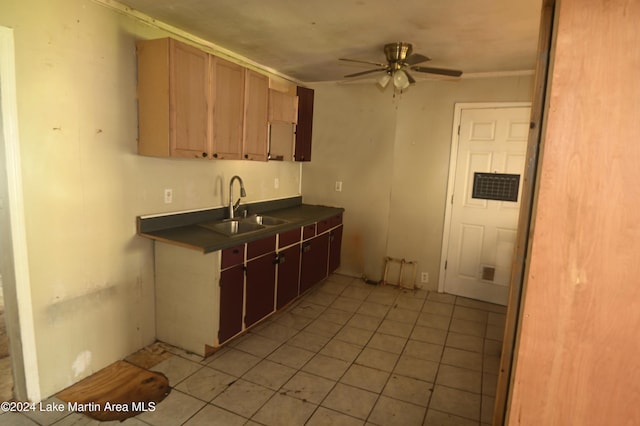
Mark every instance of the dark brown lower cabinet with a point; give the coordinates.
(261, 284)
(231, 301)
(288, 275)
(335, 242)
(315, 255)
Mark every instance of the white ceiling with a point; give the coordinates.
(303, 39)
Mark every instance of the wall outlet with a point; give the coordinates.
(168, 196)
(338, 186)
(424, 277)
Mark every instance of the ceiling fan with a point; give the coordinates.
(400, 60)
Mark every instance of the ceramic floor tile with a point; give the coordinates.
(441, 322)
(325, 366)
(486, 409)
(325, 417)
(243, 398)
(366, 378)
(77, 419)
(359, 292)
(351, 401)
(343, 280)
(495, 332)
(402, 315)
(461, 358)
(383, 296)
(46, 417)
(291, 321)
(441, 297)
(307, 386)
(282, 409)
(395, 328)
(354, 335)
(331, 286)
(211, 415)
(308, 340)
(206, 383)
(423, 350)
(336, 316)
(409, 303)
(472, 328)
(492, 347)
(456, 402)
(325, 328)
(321, 298)
(477, 304)
(341, 350)
(275, 331)
(16, 419)
(307, 309)
(439, 418)
(366, 322)
(390, 412)
(256, 344)
(408, 389)
(465, 341)
(470, 314)
(378, 359)
(373, 309)
(291, 356)
(497, 319)
(429, 335)
(387, 342)
(269, 374)
(175, 409)
(234, 362)
(489, 384)
(491, 364)
(460, 378)
(437, 308)
(417, 368)
(176, 369)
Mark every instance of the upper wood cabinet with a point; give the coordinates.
(283, 107)
(256, 104)
(228, 109)
(305, 124)
(173, 83)
(192, 104)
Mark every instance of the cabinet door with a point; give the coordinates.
(288, 275)
(231, 298)
(261, 283)
(188, 90)
(305, 124)
(282, 107)
(335, 244)
(228, 109)
(256, 101)
(315, 257)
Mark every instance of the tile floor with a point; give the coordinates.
(347, 353)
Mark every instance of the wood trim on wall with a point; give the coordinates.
(526, 213)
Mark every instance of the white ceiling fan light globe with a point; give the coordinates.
(400, 80)
(384, 80)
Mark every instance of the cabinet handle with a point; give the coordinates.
(204, 154)
(246, 156)
(215, 155)
(306, 248)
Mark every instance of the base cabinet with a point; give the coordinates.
(231, 300)
(204, 300)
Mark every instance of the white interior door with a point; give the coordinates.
(480, 230)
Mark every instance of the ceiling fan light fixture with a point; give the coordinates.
(384, 80)
(400, 80)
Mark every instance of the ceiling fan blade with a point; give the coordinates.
(365, 72)
(410, 77)
(441, 71)
(416, 58)
(363, 62)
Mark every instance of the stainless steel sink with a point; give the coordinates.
(233, 227)
(264, 220)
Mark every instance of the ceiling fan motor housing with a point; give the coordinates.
(397, 52)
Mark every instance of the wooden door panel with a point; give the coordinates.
(261, 283)
(288, 275)
(231, 301)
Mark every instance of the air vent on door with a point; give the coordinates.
(496, 186)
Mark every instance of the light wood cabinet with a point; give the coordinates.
(228, 109)
(282, 107)
(256, 103)
(196, 105)
(173, 82)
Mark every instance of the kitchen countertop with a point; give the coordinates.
(184, 230)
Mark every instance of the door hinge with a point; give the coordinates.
(451, 198)
(458, 130)
(445, 264)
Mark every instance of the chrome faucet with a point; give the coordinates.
(234, 207)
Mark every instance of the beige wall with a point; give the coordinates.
(393, 158)
(84, 185)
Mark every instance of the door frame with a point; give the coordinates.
(23, 352)
(453, 163)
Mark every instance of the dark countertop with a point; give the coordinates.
(184, 229)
